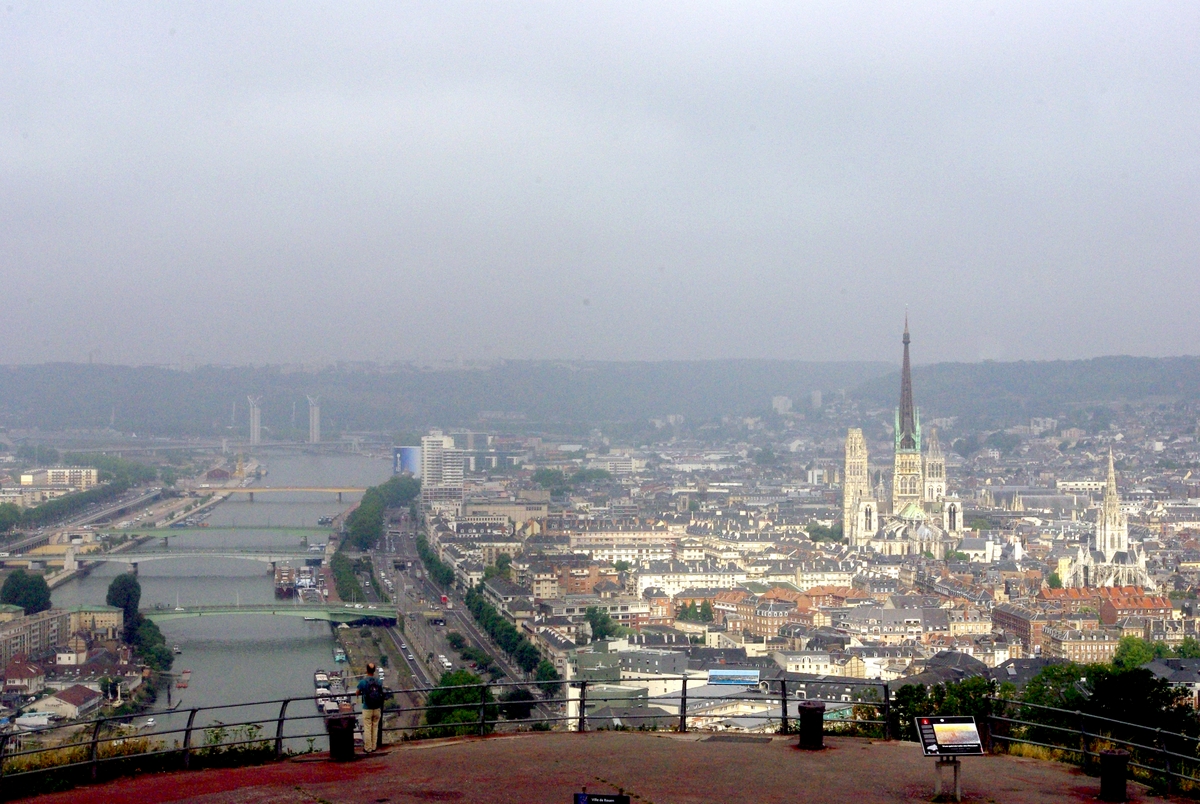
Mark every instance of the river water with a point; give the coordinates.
(242, 658)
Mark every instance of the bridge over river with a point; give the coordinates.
(252, 490)
(330, 612)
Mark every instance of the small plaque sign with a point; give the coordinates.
(949, 736)
(600, 798)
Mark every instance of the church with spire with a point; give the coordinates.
(919, 517)
(1110, 560)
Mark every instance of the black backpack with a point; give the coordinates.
(373, 694)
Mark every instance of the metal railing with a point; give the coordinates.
(1160, 756)
(258, 731)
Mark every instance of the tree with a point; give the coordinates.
(126, 594)
(1189, 648)
(706, 612)
(1055, 581)
(456, 640)
(603, 626)
(1132, 652)
(549, 478)
(30, 592)
(622, 566)
(460, 692)
(517, 704)
(10, 515)
(548, 676)
(820, 533)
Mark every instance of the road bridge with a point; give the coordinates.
(329, 612)
(252, 490)
(272, 557)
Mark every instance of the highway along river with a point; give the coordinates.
(242, 657)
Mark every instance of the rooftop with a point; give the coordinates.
(655, 767)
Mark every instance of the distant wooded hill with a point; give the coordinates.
(567, 396)
(995, 394)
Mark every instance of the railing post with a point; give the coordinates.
(279, 728)
(1084, 757)
(187, 739)
(683, 706)
(483, 709)
(3, 746)
(887, 712)
(582, 707)
(1158, 742)
(95, 749)
(783, 721)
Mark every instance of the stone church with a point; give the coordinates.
(919, 516)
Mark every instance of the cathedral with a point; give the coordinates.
(918, 517)
(1110, 560)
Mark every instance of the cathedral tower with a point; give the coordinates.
(907, 485)
(859, 512)
(1112, 528)
(935, 470)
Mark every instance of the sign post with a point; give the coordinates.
(947, 739)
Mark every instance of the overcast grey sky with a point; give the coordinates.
(290, 182)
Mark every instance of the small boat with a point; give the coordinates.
(339, 655)
(177, 650)
(150, 723)
(182, 683)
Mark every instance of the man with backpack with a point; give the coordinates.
(371, 691)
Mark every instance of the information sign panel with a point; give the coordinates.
(600, 798)
(949, 736)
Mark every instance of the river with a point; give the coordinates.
(242, 658)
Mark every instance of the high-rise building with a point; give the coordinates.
(441, 470)
(255, 419)
(314, 420)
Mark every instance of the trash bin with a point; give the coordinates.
(1114, 767)
(812, 725)
(341, 736)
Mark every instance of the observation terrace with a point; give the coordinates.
(652, 767)
(498, 757)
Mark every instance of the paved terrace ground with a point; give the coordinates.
(652, 768)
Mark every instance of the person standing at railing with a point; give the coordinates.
(370, 689)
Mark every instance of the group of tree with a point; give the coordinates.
(439, 571)
(692, 613)
(1051, 701)
(512, 642)
(602, 624)
(502, 632)
(364, 525)
(26, 590)
(10, 515)
(60, 508)
(148, 642)
(1134, 651)
(559, 482)
(452, 708)
(501, 569)
(344, 578)
(819, 533)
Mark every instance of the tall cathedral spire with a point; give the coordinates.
(908, 434)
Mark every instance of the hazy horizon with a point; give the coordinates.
(268, 183)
